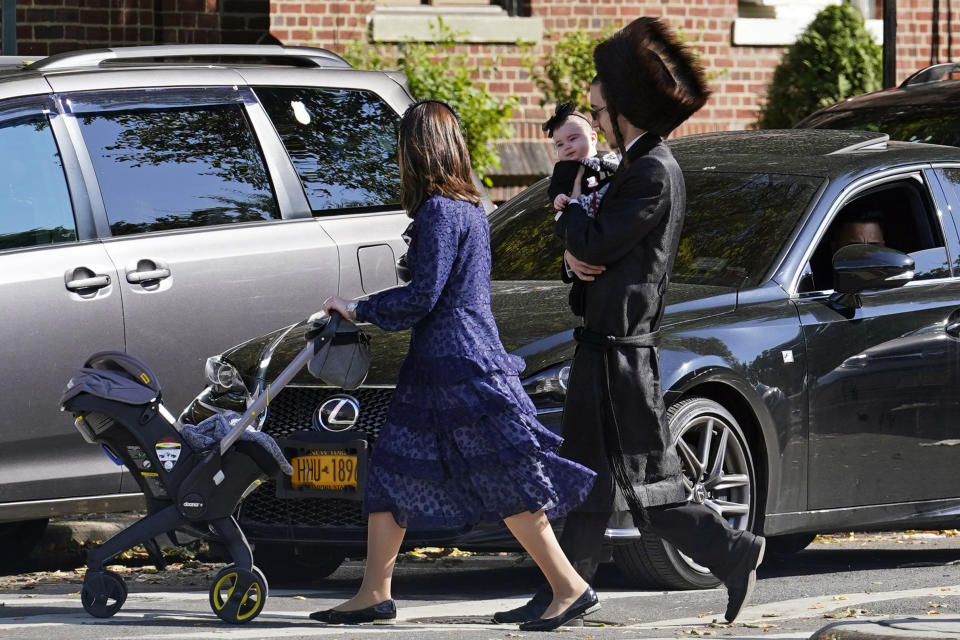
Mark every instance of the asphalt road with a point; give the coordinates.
(863, 577)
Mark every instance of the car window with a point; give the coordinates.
(934, 123)
(522, 241)
(898, 215)
(35, 207)
(173, 168)
(343, 144)
(734, 228)
(737, 223)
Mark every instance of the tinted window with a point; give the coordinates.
(736, 225)
(937, 123)
(35, 205)
(343, 144)
(522, 241)
(162, 169)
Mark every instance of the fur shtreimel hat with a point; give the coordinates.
(650, 77)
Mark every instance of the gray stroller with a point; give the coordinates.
(116, 403)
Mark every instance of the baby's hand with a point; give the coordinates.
(561, 201)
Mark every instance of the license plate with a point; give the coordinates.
(332, 470)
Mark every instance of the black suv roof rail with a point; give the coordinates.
(299, 56)
(934, 73)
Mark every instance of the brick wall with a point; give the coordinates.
(741, 73)
(52, 26)
(916, 35)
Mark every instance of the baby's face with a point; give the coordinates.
(574, 139)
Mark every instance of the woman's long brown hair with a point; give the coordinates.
(433, 157)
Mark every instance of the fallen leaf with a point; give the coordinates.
(759, 625)
(840, 597)
(933, 612)
(769, 615)
(299, 598)
(846, 613)
(817, 606)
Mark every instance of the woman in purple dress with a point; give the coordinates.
(461, 443)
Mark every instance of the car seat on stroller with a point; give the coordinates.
(116, 401)
(187, 481)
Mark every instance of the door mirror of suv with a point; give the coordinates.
(860, 267)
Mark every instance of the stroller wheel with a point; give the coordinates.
(237, 595)
(103, 593)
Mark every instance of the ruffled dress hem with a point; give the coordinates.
(467, 453)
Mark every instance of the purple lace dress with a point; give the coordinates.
(461, 443)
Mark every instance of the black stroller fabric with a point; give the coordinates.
(207, 434)
(342, 357)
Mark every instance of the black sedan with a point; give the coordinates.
(811, 388)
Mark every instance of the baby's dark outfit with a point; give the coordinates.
(598, 170)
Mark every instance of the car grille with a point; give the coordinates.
(292, 411)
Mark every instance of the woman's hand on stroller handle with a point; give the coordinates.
(340, 305)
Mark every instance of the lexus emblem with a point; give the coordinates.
(338, 413)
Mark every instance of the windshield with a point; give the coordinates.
(736, 224)
(933, 123)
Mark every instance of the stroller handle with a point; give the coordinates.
(285, 376)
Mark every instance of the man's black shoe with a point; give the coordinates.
(740, 583)
(532, 610)
(381, 613)
(586, 603)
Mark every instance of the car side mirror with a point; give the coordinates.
(860, 267)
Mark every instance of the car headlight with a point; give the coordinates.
(549, 384)
(223, 376)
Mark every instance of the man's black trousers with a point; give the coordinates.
(694, 529)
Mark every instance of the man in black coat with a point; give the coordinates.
(614, 418)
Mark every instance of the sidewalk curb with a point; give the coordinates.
(920, 628)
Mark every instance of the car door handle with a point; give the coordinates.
(136, 277)
(95, 282)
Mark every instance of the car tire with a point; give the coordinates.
(789, 544)
(652, 561)
(290, 564)
(17, 542)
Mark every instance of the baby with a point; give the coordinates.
(576, 144)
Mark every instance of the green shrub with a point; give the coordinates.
(565, 75)
(435, 70)
(833, 59)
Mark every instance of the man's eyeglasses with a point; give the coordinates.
(595, 113)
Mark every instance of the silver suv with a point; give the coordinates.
(172, 201)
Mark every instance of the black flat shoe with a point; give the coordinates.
(532, 610)
(741, 582)
(382, 613)
(586, 603)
